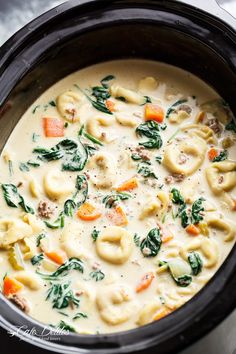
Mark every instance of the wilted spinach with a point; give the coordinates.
(63, 270)
(231, 126)
(14, 199)
(37, 259)
(150, 129)
(70, 205)
(191, 216)
(174, 105)
(74, 154)
(151, 245)
(65, 326)
(98, 275)
(146, 171)
(111, 199)
(195, 262)
(223, 155)
(95, 234)
(176, 196)
(61, 296)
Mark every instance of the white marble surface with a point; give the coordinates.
(14, 14)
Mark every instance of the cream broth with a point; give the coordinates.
(157, 219)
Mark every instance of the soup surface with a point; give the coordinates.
(117, 197)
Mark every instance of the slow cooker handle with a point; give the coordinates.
(221, 4)
(214, 7)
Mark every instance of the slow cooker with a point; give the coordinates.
(77, 34)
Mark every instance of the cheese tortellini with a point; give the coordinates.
(227, 227)
(156, 206)
(148, 312)
(221, 176)
(115, 303)
(29, 279)
(71, 241)
(194, 148)
(114, 245)
(200, 130)
(208, 247)
(148, 84)
(127, 120)
(103, 170)
(68, 104)
(129, 95)
(57, 184)
(13, 230)
(95, 124)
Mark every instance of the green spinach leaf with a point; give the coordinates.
(63, 270)
(231, 126)
(111, 199)
(95, 234)
(14, 199)
(61, 296)
(176, 196)
(197, 208)
(146, 171)
(37, 259)
(151, 245)
(98, 275)
(150, 129)
(223, 155)
(195, 262)
(183, 280)
(174, 105)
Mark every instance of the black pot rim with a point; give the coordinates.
(213, 300)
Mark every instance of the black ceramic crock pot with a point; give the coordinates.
(77, 34)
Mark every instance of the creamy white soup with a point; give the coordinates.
(117, 197)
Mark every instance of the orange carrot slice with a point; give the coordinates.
(161, 313)
(118, 216)
(212, 154)
(58, 256)
(11, 286)
(154, 112)
(53, 127)
(110, 105)
(88, 212)
(234, 205)
(192, 230)
(128, 185)
(145, 282)
(166, 236)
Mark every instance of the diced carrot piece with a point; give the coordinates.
(161, 313)
(58, 256)
(53, 127)
(192, 230)
(167, 236)
(128, 185)
(212, 154)
(145, 282)
(154, 112)
(118, 216)
(11, 286)
(110, 105)
(88, 212)
(234, 205)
